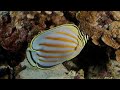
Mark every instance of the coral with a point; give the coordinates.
(22, 26)
(114, 69)
(17, 28)
(101, 27)
(118, 55)
(114, 25)
(59, 20)
(116, 15)
(96, 36)
(15, 40)
(60, 13)
(109, 40)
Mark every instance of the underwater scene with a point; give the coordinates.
(59, 44)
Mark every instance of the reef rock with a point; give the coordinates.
(58, 72)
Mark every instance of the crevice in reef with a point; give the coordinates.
(91, 55)
(71, 17)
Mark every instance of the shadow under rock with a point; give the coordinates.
(91, 55)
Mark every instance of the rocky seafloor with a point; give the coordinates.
(100, 58)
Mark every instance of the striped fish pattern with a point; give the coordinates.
(56, 46)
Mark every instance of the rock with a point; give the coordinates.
(80, 74)
(98, 73)
(58, 72)
(114, 68)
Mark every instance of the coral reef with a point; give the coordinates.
(102, 27)
(59, 72)
(114, 69)
(17, 28)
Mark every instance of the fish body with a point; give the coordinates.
(55, 46)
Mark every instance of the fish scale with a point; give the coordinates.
(56, 46)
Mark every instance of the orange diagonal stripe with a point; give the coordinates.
(68, 35)
(55, 51)
(51, 56)
(57, 45)
(60, 39)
